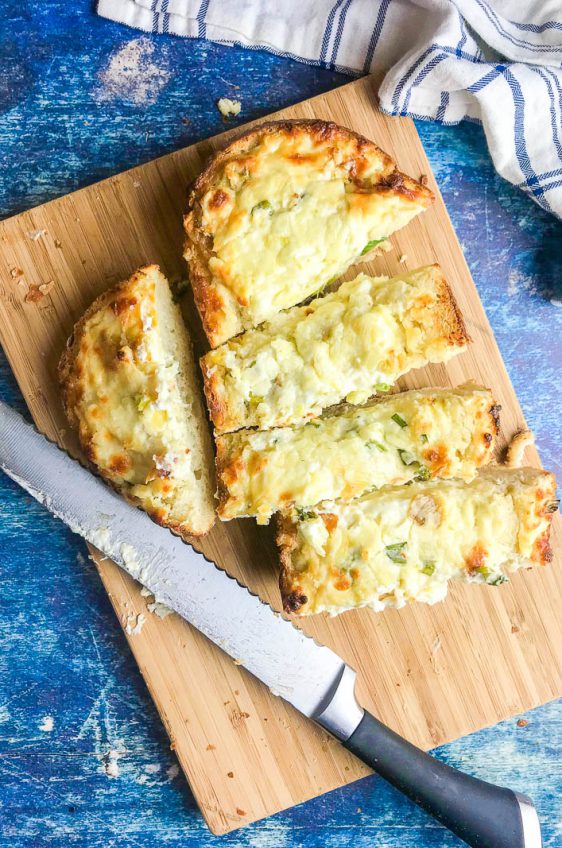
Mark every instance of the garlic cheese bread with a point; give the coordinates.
(340, 346)
(283, 211)
(405, 543)
(129, 386)
(407, 436)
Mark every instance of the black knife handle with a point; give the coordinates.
(483, 815)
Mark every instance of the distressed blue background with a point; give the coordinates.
(71, 114)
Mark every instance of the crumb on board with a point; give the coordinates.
(514, 628)
(145, 593)
(228, 108)
(404, 258)
(58, 243)
(37, 293)
(522, 722)
(237, 662)
(230, 774)
(240, 811)
(211, 747)
(135, 623)
(423, 179)
(16, 272)
(159, 609)
(35, 235)
(517, 447)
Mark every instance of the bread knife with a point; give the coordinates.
(309, 676)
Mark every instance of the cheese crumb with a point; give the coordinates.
(135, 624)
(159, 609)
(35, 235)
(228, 107)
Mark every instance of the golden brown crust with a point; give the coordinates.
(212, 386)
(69, 377)
(449, 315)
(199, 246)
(68, 373)
(292, 595)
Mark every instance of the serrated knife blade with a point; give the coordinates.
(288, 662)
(309, 676)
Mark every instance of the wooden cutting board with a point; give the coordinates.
(431, 673)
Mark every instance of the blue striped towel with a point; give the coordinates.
(498, 62)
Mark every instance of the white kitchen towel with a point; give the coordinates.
(498, 62)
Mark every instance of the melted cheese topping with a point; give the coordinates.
(291, 215)
(405, 544)
(343, 345)
(426, 433)
(133, 421)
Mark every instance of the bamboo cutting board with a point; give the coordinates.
(431, 673)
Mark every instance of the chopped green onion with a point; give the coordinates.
(407, 457)
(305, 514)
(428, 568)
(423, 439)
(423, 473)
(143, 402)
(383, 387)
(497, 580)
(376, 445)
(396, 552)
(263, 204)
(255, 399)
(370, 244)
(399, 420)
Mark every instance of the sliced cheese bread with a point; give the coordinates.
(407, 436)
(130, 387)
(344, 345)
(284, 210)
(405, 543)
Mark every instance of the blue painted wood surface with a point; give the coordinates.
(84, 759)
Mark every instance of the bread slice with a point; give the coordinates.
(343, 345)
(129, 385)
(407, 436)
(405, 543)
(284, 210)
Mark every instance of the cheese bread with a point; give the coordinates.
(283, 211)
(129, 385)
(405, 543)
(345, 345)
(407, 436)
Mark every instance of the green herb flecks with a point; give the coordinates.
(383, 387)
(423, 439)
(428, 568)
(305, 514)
(370, 245)
(423, 473)
(407, 457)
(497, 580)
(399, 420)
(264, 205)
(396, 552)
(377, 445)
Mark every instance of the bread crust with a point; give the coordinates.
(70, 376)
(199, 244)
(227, 411)
(535, 519)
